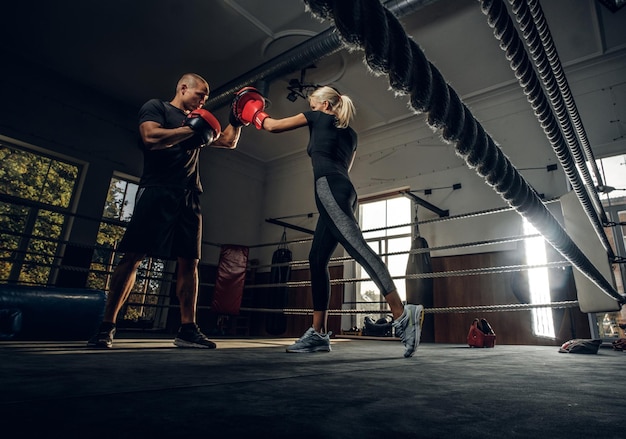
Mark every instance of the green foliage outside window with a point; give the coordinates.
(42, 247)
(37, 190)
(12, 223)
(36, 177)
(29, 233)
(109, 235)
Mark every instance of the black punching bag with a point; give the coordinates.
(420, 291)
(276, 323)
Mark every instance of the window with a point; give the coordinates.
(149, 289)
(538, 283)
(613, 196)
(36, 194)
(613, 170)
(378, 221)
(118, 207)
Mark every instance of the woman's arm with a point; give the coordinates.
(285, 124)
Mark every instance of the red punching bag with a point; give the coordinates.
(231, 276)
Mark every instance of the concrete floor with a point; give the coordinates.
(145, 387)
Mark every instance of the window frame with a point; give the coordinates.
(380, 244)
(19, 255)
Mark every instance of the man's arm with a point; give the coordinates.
(228, 139)
(155, 137)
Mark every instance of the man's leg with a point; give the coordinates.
(122, 282)
(189, 335)
(187, 289)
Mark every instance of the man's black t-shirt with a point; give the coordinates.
(170, 167)
(330, 148)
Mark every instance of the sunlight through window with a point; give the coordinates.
(538, 283)
(381, 218)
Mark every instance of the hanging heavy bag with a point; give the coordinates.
(276, 323)
(420, 290)
(481, 334)
(230, 279)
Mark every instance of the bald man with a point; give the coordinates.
(167, 220)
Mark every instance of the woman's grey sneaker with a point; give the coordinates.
(409, 327)
(193, 338)
(311, 341)
(103, 339)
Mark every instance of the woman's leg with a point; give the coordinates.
(322, 248)
(336, 203)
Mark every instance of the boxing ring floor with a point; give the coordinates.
(249, 387)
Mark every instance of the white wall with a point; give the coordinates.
(232, 200)
(288, 191)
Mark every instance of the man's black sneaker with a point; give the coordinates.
(193, 338)
(102, 339)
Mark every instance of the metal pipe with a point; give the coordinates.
(299, 57)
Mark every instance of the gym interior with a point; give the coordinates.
(527, 232)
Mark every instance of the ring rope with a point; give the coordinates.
(490, 270)
(413, 251)
(439, 274)
(413, 223)
(572, 160)
(368, 26)
(541, 45)
(446, 310)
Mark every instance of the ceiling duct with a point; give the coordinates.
(298, 58)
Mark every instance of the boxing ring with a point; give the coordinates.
(251, 387)
(369, 26)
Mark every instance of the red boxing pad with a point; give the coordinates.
(243, 97)
(250, 110)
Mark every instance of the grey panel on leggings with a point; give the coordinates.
(351, 232)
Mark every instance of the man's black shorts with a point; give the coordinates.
(166, 223)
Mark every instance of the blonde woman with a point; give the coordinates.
(332, 148)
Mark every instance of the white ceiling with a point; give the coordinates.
(135, 50)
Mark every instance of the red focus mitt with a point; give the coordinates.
(247, 108)
(205, 125)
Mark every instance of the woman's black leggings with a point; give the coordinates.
(336, 202)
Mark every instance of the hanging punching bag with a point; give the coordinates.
(420, 291)
(230, 279)
(276, 323)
